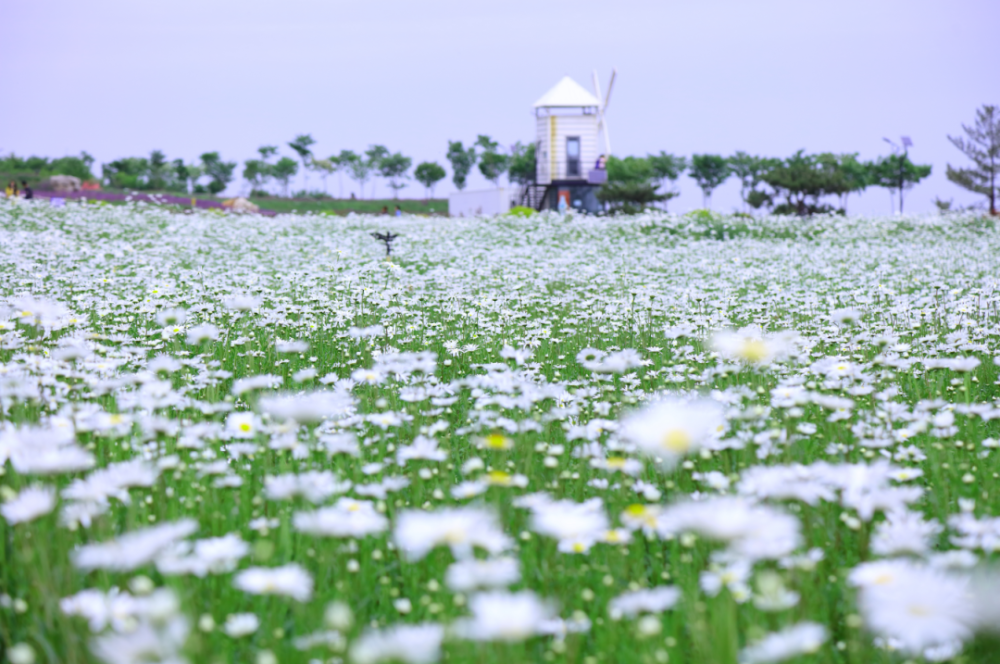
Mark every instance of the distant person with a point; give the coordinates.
(12, 189)
(353, 197)
(28, 193)
(399, 211)
(602, 163)
(385, 209)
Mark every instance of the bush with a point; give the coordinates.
(521, 211)
(71, 166)
(703, 216)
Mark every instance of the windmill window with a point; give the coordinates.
(572, 156)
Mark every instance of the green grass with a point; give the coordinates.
(465, 289)
(436, 206)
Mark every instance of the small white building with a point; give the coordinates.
(566, 131)
(569, 165)
(482, 203)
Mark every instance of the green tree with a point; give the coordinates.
(302, 144)
(127, 173)
(343, 161)
(325, 168)
(186, 175)
(804, 180)
(709, 171)
(357, 167)
(266, 152)
(667, 167)
(630, 187)
(983, 147)
(492, 163)
(523, 165)
(256, 172)
(284, 171)
(220, 172)
(393, 167)
(797, 178)
(159, 170)
(856, 174)
(74, 166)
(374, 156)
(897, 172)
(749, 169)
(429, 173)
(462, 160)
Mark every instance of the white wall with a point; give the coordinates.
(552, 131)
(485, 202)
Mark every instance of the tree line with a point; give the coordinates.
(800, 184)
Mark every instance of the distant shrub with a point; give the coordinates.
(521, 211)
(703, 216)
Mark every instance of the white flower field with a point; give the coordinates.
(659, 438)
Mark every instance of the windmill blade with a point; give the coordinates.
(603, 122)
(611, 84)
(602, 125)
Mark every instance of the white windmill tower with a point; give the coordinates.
(570, 123)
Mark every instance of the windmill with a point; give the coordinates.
(602, 123)
(569, 156)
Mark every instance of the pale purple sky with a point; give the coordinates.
(120, 78)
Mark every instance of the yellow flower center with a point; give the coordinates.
(677, 441)
(497, 441)
(616, 462)
(498, 477)
(753, 350)
(245, 427)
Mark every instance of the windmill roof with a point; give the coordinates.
(567, 93)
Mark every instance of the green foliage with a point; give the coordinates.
(256, 172)
(429, 173)
(630, 187)
(358, 168)
(982, 147)
(301, 145)
(708, 171)
(521, 211)
(283, 171)
(393, 167)
(757, 199)
(667, 166)
(896, 171)
(630, 170)
(462, 160)
(750, 169)
(492, 163)
(74, 166)
(186, 175)
(220, 172)
(267, 151)
(127, 173)
(374, 156)
(803, 180)
(523, 164)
